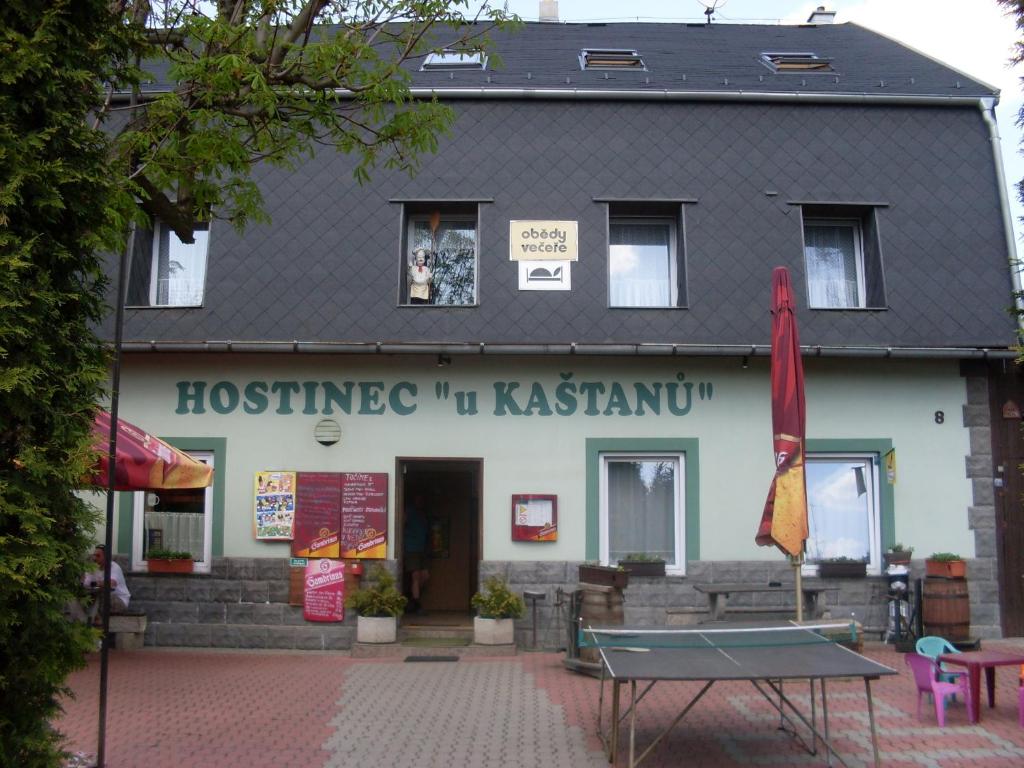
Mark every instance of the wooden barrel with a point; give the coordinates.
(601, 606)
(947, 608)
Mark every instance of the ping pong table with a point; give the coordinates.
(766, 656)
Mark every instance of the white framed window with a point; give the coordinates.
(178, 273)
(451, 258)
(796, 62)
(611, 58)
(834, 256)
(180, 520)
(843, 508)
(642, 507)
(450, 59)
(642, 262)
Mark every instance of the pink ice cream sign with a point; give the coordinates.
(324, 594)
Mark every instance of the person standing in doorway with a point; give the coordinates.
(415, 533)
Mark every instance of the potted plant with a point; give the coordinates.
(842, 568)
(945, 565)
(379, 604)
(497, 609)
(608, 576)
(641, 564)
(898, 554)
(168, 561)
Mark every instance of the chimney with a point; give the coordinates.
(820, 16)
(548, 11)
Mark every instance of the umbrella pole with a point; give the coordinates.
(798, 561)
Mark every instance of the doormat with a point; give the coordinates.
(436, 642)
(431, 658)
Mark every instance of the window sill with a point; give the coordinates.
(658, 308)
(164, 306)
(848, 309)
(438, 306)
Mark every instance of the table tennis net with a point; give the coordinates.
(746, 637)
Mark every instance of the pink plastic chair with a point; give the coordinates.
(924, 677)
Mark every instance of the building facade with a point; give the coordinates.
(580, 352)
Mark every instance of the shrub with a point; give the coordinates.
(497, 601)
(380, 599)
(167, 554)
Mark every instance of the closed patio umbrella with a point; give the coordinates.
(784, 520)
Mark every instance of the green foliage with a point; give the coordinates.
(642, 557)
(168, 554)
(59, 208)
(267, 81)
(901, 548)
(381, 598)
(497, 601)
(944, 557)
(842, 559)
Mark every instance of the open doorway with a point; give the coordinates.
(447, 492)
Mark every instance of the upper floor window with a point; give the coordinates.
(450, 58)
(835, 263)
(167, 272)
(610, 58)
(842, 257)
(642, 262)
(441, 261)
(796, 62)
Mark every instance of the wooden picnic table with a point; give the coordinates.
(718, 597)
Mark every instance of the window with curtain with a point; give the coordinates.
(642, 263)
(835, 264)
(642, 507)
(179, 269)
(450, 250)
(843, 508)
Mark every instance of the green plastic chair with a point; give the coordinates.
(934, 646)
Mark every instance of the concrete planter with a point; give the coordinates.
(376, 629)
(493, 631)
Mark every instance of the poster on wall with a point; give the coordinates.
(317, 515)
(534, 517)
(274, 507)
(324, 596)
(364, 515)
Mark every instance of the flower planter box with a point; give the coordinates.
(650, 569)
(946, 569)
(842, 570)
(896, 558)
(603, 575)
(169, 566)
(376, 629)
(493, 631)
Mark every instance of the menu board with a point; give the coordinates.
(324, 597)
(534, 517)
(274, 508)
(317, 515)
(364, 515)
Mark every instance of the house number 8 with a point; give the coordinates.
(939, 417)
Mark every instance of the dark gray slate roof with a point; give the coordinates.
(328, 268)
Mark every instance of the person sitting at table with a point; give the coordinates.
(93, 583)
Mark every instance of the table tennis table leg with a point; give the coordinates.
(824, 719)
(814, 720)
(613, 741)
(632, 724)
(871, 721)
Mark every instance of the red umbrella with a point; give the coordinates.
(784, 521)
(143, 462)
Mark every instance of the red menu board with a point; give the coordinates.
(364, 515)
(317, 515)
(324, 593)
(534, 517)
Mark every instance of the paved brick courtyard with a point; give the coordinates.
(175, 708)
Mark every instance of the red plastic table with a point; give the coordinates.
(975, 661)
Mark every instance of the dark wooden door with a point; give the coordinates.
(1006, 387)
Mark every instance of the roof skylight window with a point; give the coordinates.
(610, 58)
(449, 59)
(796, 62)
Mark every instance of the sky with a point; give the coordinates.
(973, 36)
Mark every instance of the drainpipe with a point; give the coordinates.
(988, 113)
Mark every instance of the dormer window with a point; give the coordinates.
(611, 58)
(451, 59)
(796, 62)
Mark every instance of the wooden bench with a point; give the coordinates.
(128, 630)
(718, 598)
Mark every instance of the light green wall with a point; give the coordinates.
(861, 399)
